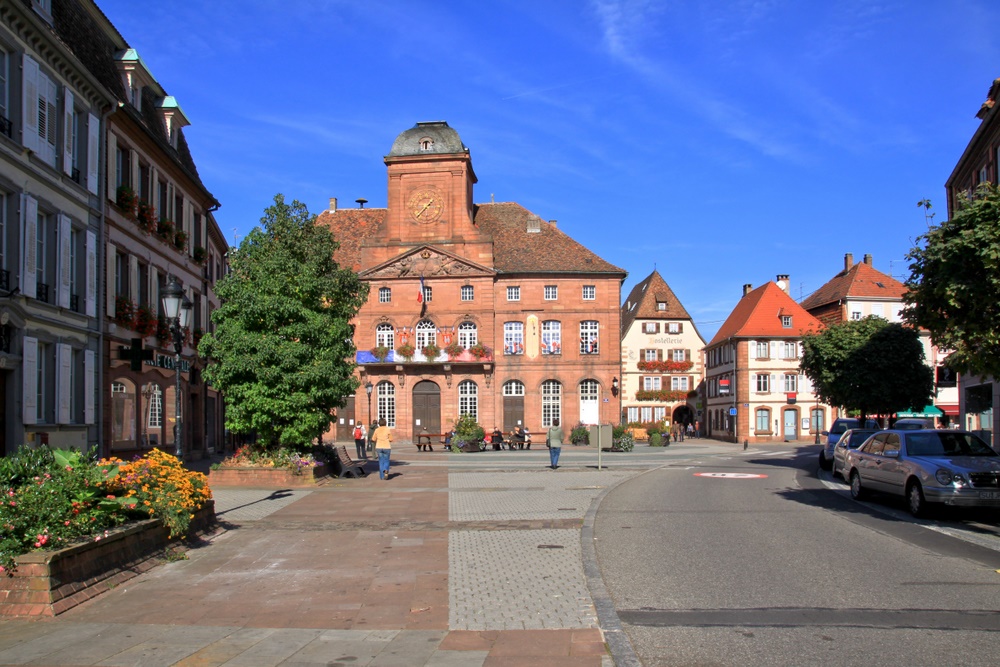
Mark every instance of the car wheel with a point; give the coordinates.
(823, 463)
(915, 499)
(857, 491)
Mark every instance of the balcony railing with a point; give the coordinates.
(42, 292)
(74, 303)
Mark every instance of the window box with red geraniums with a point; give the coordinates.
(146, 218)
(380, 352)
(165, 230)
(431, 352)
(479, 351)
(145, 321)
(663, 395)
(453, 350)
(124, 312)
(199, 255)
(197, 335)
(665, 366)
(406, 351)
(180, 240)
(162, 331)
(126, 200)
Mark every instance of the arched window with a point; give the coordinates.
(386, 402)
(513, 388)
(551, 402)
(154, 416)
(551, 337)
(385, 336)
(468, 335)
(468, 399)
(426, 334)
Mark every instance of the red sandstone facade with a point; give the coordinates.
(536, 314)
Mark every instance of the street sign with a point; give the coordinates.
(732, 412)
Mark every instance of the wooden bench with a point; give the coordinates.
(347, 466)
(424, 440)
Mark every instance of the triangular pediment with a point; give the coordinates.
(426, 261)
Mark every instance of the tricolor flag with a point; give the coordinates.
(420, 296)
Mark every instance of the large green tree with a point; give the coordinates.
(954, 285)
(869, 365)
(283, 346)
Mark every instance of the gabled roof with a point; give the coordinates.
(515, 249)
(641, 302)
(861, 281)
(759, 314)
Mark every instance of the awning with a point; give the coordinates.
(948, 408)
(928, 411)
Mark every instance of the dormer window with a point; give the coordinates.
(661, 305)
(786, 321)
(426, 144)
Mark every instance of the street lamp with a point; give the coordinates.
(177, 310)
(368, 390)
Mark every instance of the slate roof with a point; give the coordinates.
(515, 250)
(758, 314)
(641, 302)
(861, 281)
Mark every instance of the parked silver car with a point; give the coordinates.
(927, 466)
(833, 435)
(850, 439)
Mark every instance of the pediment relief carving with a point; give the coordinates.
(426, 262)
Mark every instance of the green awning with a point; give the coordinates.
(928, 411)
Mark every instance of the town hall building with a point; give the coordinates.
(478, 309)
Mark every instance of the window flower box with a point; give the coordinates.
(479, 351)
(380, 352)
(431, 352)
(124, 312)
(661, 395)
(126, 200)
(665, 366)
(146, 218)
(454, 350)
(199, 255)
(180, 240)
(406, 351)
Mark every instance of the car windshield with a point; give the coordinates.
(940, 444)
(910, 426)
(857, 438)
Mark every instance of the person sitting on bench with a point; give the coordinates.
(517, 441)
(496, 439)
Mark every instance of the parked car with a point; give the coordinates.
(836, 430)
(851, 439)
(926, 466)
(912, 424)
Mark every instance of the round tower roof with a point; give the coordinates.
(431, 138)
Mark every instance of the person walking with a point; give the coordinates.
(697, 429)
(383, 447)
(554, 439)
(359, 440)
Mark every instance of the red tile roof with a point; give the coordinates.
(515, 249)
(642, 302)
(861, 281)
(759, 314)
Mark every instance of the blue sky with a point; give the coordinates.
(720, 143)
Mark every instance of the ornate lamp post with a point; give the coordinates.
(368, 390)
(177, 310)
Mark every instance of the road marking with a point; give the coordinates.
(730, 475)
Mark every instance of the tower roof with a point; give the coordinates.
(430, 138)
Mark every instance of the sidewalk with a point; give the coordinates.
(456, 560)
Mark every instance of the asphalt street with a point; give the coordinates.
(753, 558)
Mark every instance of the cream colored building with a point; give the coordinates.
(662, 366)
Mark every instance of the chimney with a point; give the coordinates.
(747, 289)
(553, 223)
(868, 260)
(333, 204)
(784, 283)
(848, 261)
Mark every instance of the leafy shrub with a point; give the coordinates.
(621, 439)
(580, 435)
(467, 429)
(655, 440)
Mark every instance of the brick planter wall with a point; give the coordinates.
(266, 477)
(46, 583)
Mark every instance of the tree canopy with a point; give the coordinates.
(870, 365)
(282, 351)
(955, 281)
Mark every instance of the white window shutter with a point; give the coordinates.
(94, 154)
(29, 383)
(65, 264)
(90, 300)
(111, 258)
(29, 261)
(68, 129)
(774, 349)
(29, 104)
(89, 385)
(112, 166)
(47, 112)
(752, 349)
(133, 278)
(64, 382)
(774, 384)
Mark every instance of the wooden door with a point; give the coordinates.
(513, 412)
(426, 408)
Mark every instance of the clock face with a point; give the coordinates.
(425, 205)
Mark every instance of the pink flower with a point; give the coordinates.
(66, 523)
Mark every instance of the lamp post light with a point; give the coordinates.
(177, 310)
(368, 390)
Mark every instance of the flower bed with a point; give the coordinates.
(258, 477)
(46, 583)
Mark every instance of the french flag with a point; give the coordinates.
(420, 296)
